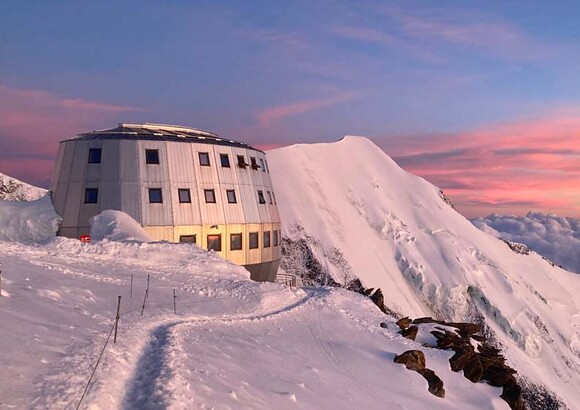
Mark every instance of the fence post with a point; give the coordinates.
(117, 319)
(144, 300)
(174, 305)
(147, 285)
(0, 282)
(131, 291)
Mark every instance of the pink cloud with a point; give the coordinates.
(279, 112)
(32, 122)
(516, 167)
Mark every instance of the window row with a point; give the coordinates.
(184, 195)
(214, 242)
(152, 157)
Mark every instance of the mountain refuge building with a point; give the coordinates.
(181, 184)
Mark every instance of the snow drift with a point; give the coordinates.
(363, 216)
(117, 226)
(28, 221)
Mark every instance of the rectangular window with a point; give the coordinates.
(274, 197)
(262, 165)
(253, 240)
(254, 163)
(231, 196)
(242, 161)
(236, 241)
(184, 196)
(269, 196)
(91, 195)
(188, 239)
(152, 156)
(209, 196)
(261, 198)
(225, 160)
(266, 239)
(203, 159)
(94, 155)
(267, 168)
(214, 242)
(275, 239)
(155, 196)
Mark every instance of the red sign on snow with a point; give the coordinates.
(85, 238)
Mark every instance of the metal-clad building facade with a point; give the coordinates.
(179, 183)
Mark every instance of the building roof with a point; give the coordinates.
(159, 132)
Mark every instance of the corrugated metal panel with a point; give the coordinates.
(129, 159)
(160, 233)
(149, 173)
(110, 161)
(155, 214)
(181, 162)
(93, 171)
(234, 213)
(187, 230)
(186, 213)
(87, 211)
(211, 214)
(75, 195)
(79, 161)
(236, 256)
(131, 200)
(61, 179)
(226, 175)
(266, 252)
(205, 174)
(249, 201)
(253, 255)
(57, 167)
(243, 175)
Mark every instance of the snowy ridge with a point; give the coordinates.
(12, 189)
(395, 232)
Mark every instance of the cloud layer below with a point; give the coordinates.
(554, 237)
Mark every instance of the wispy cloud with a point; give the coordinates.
(272, 114)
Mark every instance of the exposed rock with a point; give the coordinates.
(379, 300)
(435, 383)
(410, 333)
(512, 394)
(412, 359)
(467, 360)
(383, 325)
(404, 323)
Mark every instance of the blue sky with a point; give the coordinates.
(432, 83)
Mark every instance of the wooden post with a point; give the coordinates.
(117, 317)
(147, 285)
(131, 291)
(174, 305)
(144, 299)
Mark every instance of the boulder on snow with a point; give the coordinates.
(404, 323)
(410, 333)
(412, 359)
(434, 381)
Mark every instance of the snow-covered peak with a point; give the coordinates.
(363, 216)
(12, 189)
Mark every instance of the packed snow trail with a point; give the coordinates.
(233, 344)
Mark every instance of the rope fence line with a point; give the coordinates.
(141, 307)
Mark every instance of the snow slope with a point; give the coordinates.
(12, 189)
(233, 344)
(555, 237)
(352, 204)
